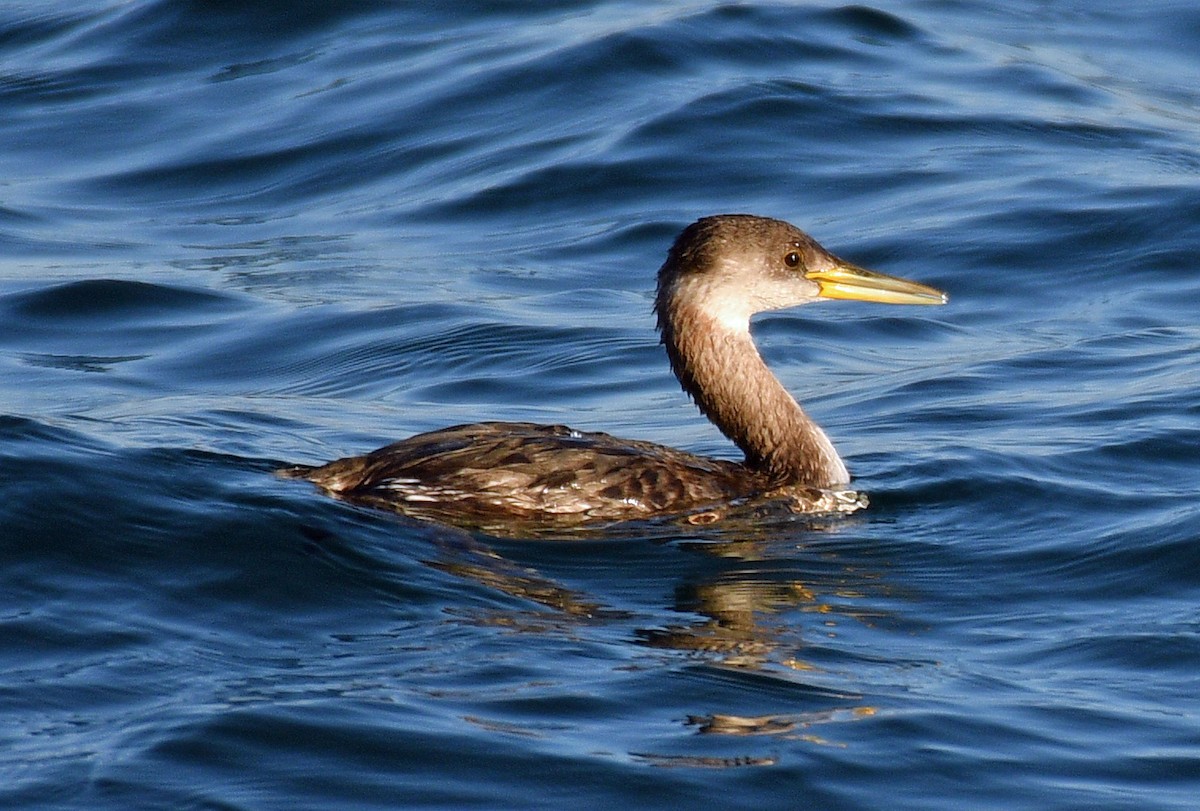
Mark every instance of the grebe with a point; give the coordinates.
(720, 271)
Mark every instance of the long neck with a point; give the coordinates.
(718, 364)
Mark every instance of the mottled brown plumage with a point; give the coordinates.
(720, 271)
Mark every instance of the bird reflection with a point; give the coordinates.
(760, 604)
(743, 616)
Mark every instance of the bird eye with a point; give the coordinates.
(792, 259)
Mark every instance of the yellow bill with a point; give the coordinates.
(846, 281)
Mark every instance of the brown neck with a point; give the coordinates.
(719, 366)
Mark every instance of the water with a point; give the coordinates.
(237, 235)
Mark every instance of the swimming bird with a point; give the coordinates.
(720, 271)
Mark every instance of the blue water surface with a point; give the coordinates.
(234, 235)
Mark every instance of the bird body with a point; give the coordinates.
(529, 470)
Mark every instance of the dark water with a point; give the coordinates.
(237, 234)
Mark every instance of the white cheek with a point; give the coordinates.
(729, 302)
(731, 295)
(781, 294)
(722, 303)
(732, 312)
